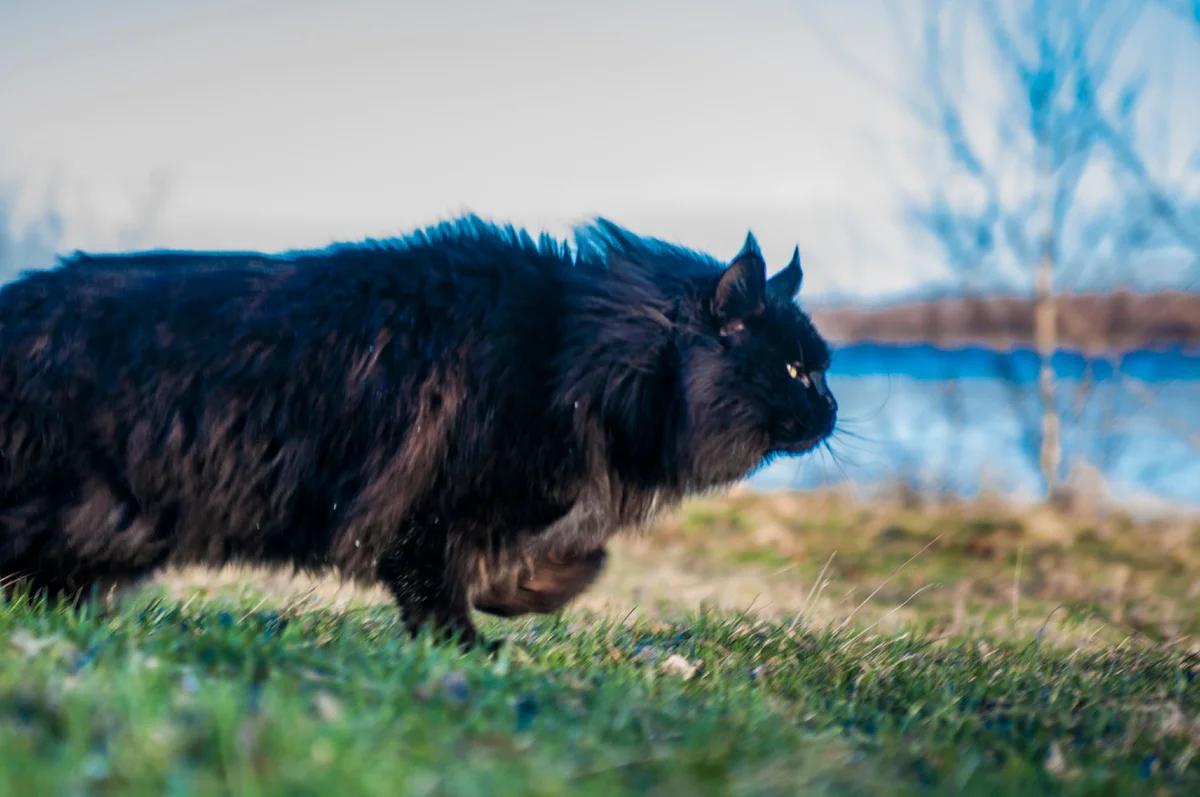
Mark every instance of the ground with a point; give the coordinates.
(751, 645)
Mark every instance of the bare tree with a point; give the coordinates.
(1045, 177)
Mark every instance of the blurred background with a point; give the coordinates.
(997, 203)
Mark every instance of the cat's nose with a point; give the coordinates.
(817, 380)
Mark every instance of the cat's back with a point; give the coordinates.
(464, 291)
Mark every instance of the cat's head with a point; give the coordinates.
(754, 377)
(701, 370)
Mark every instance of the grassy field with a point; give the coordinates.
(752, 645)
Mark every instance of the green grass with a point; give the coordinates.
(245, 691)
(971, 561)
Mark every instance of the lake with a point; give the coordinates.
(965, 419)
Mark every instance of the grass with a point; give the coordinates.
(245, 683)
(980, 567)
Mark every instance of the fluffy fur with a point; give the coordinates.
(465, 415)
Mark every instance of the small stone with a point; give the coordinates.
(28, 645)
(327, 707)
(678, 665)
(1056, 763)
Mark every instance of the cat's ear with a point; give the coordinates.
(786, 284)
(742, 290)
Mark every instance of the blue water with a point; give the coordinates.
(967, 419)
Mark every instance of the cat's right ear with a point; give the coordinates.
(742, 289)
(786, 284)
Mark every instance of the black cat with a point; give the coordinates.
(465, 415)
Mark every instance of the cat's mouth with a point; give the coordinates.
(804, 440)
(801, 446)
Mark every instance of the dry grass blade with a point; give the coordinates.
(885, 583)
(815, 591)
(891, 612)
(1016, 588)
(255, 608)
(12, 578)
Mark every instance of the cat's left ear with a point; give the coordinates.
(741, 292)
(786, 284)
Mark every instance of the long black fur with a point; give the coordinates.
(465, 415)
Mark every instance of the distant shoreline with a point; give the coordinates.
(1091, 323)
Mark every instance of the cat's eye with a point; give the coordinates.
(793, 370)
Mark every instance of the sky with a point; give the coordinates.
(278, 125)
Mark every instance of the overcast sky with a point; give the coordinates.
(274, 125)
